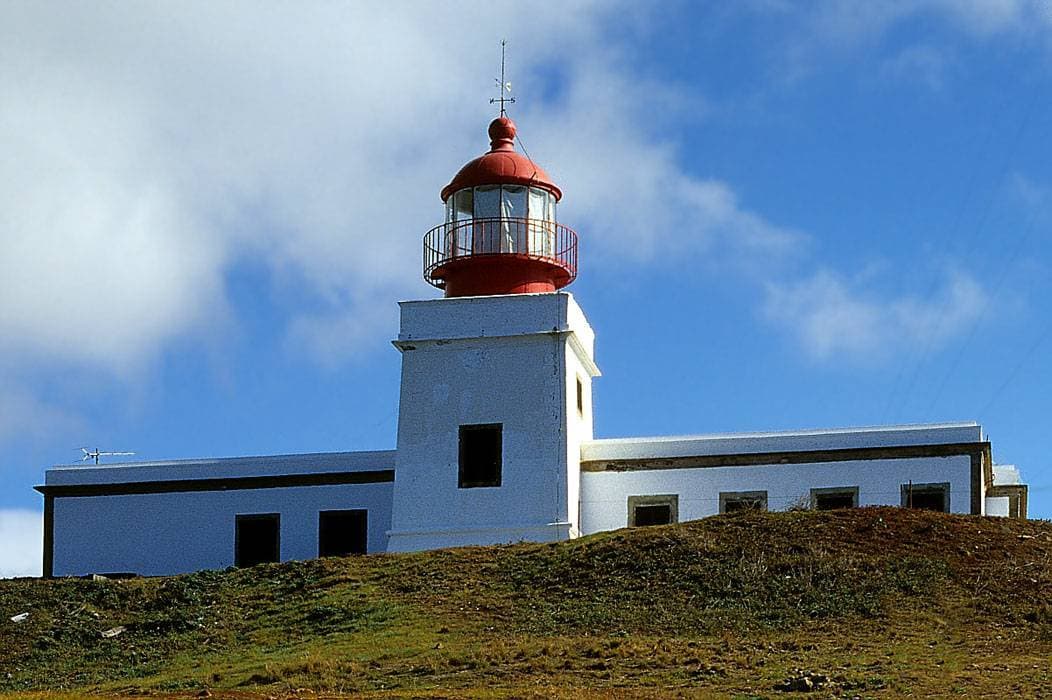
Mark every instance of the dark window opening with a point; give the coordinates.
(927, 497)
(834, 498)
(257, 539)
(481, 448)
(653, 510)
(833, 501)
(653, 515)
(342, 532)
(580, 397)
(743, 500)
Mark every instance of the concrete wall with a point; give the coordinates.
(605, 494)
(168, 533)
(473, 360)
(997, 506)
(221, 468)
(183, 520)
(787, 441)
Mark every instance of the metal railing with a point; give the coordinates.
(528, 238)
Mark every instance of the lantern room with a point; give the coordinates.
(500, 234)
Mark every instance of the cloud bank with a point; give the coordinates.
(829, 315)
(155, 148)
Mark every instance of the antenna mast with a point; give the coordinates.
(502, 85)
(95, 454)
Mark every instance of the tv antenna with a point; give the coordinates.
(95, 454)
(502, 85)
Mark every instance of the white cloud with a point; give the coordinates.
(21, 539)
(22, 414)
(830, 315)
(625, 179)
(818, 36)
(989, 17)
(154, 147)
(922, 63)
(847, 22)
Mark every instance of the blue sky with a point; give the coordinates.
(791, 215)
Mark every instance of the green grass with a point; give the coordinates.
(882, 601)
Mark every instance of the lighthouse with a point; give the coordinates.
(500, 235)
(495, 436)
(495, 396)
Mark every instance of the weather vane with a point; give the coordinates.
(502, 85)
(95, 454)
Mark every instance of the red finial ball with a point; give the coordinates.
(502, 134)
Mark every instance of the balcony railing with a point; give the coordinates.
(534, 239)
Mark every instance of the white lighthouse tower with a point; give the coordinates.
(496, 377)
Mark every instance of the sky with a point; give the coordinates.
(791, 216)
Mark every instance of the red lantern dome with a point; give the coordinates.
(500, 235)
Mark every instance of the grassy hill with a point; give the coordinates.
(867, 603)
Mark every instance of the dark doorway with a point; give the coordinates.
(257, 539)
(342, 532)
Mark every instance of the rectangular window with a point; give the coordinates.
(463, 211)
(834, 498)
(653, 510)
(481, 455)
(927, 496)
(733, 501)
(541, 228)
(580, 397)
(486, 231)
(513, 202)
(257, 539)
(342, 532)
(538, 204)
(487, 202)
(464, 205)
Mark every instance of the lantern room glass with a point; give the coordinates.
(508, 219)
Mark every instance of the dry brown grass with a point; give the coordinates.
(884, 602)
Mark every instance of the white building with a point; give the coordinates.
(495, 441)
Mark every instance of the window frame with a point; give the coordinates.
(466, 430)
(732, 496)
(834, 491)
(344, 512)
(248, 517)
(934, 487)
(669, 499)
(543, 198)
